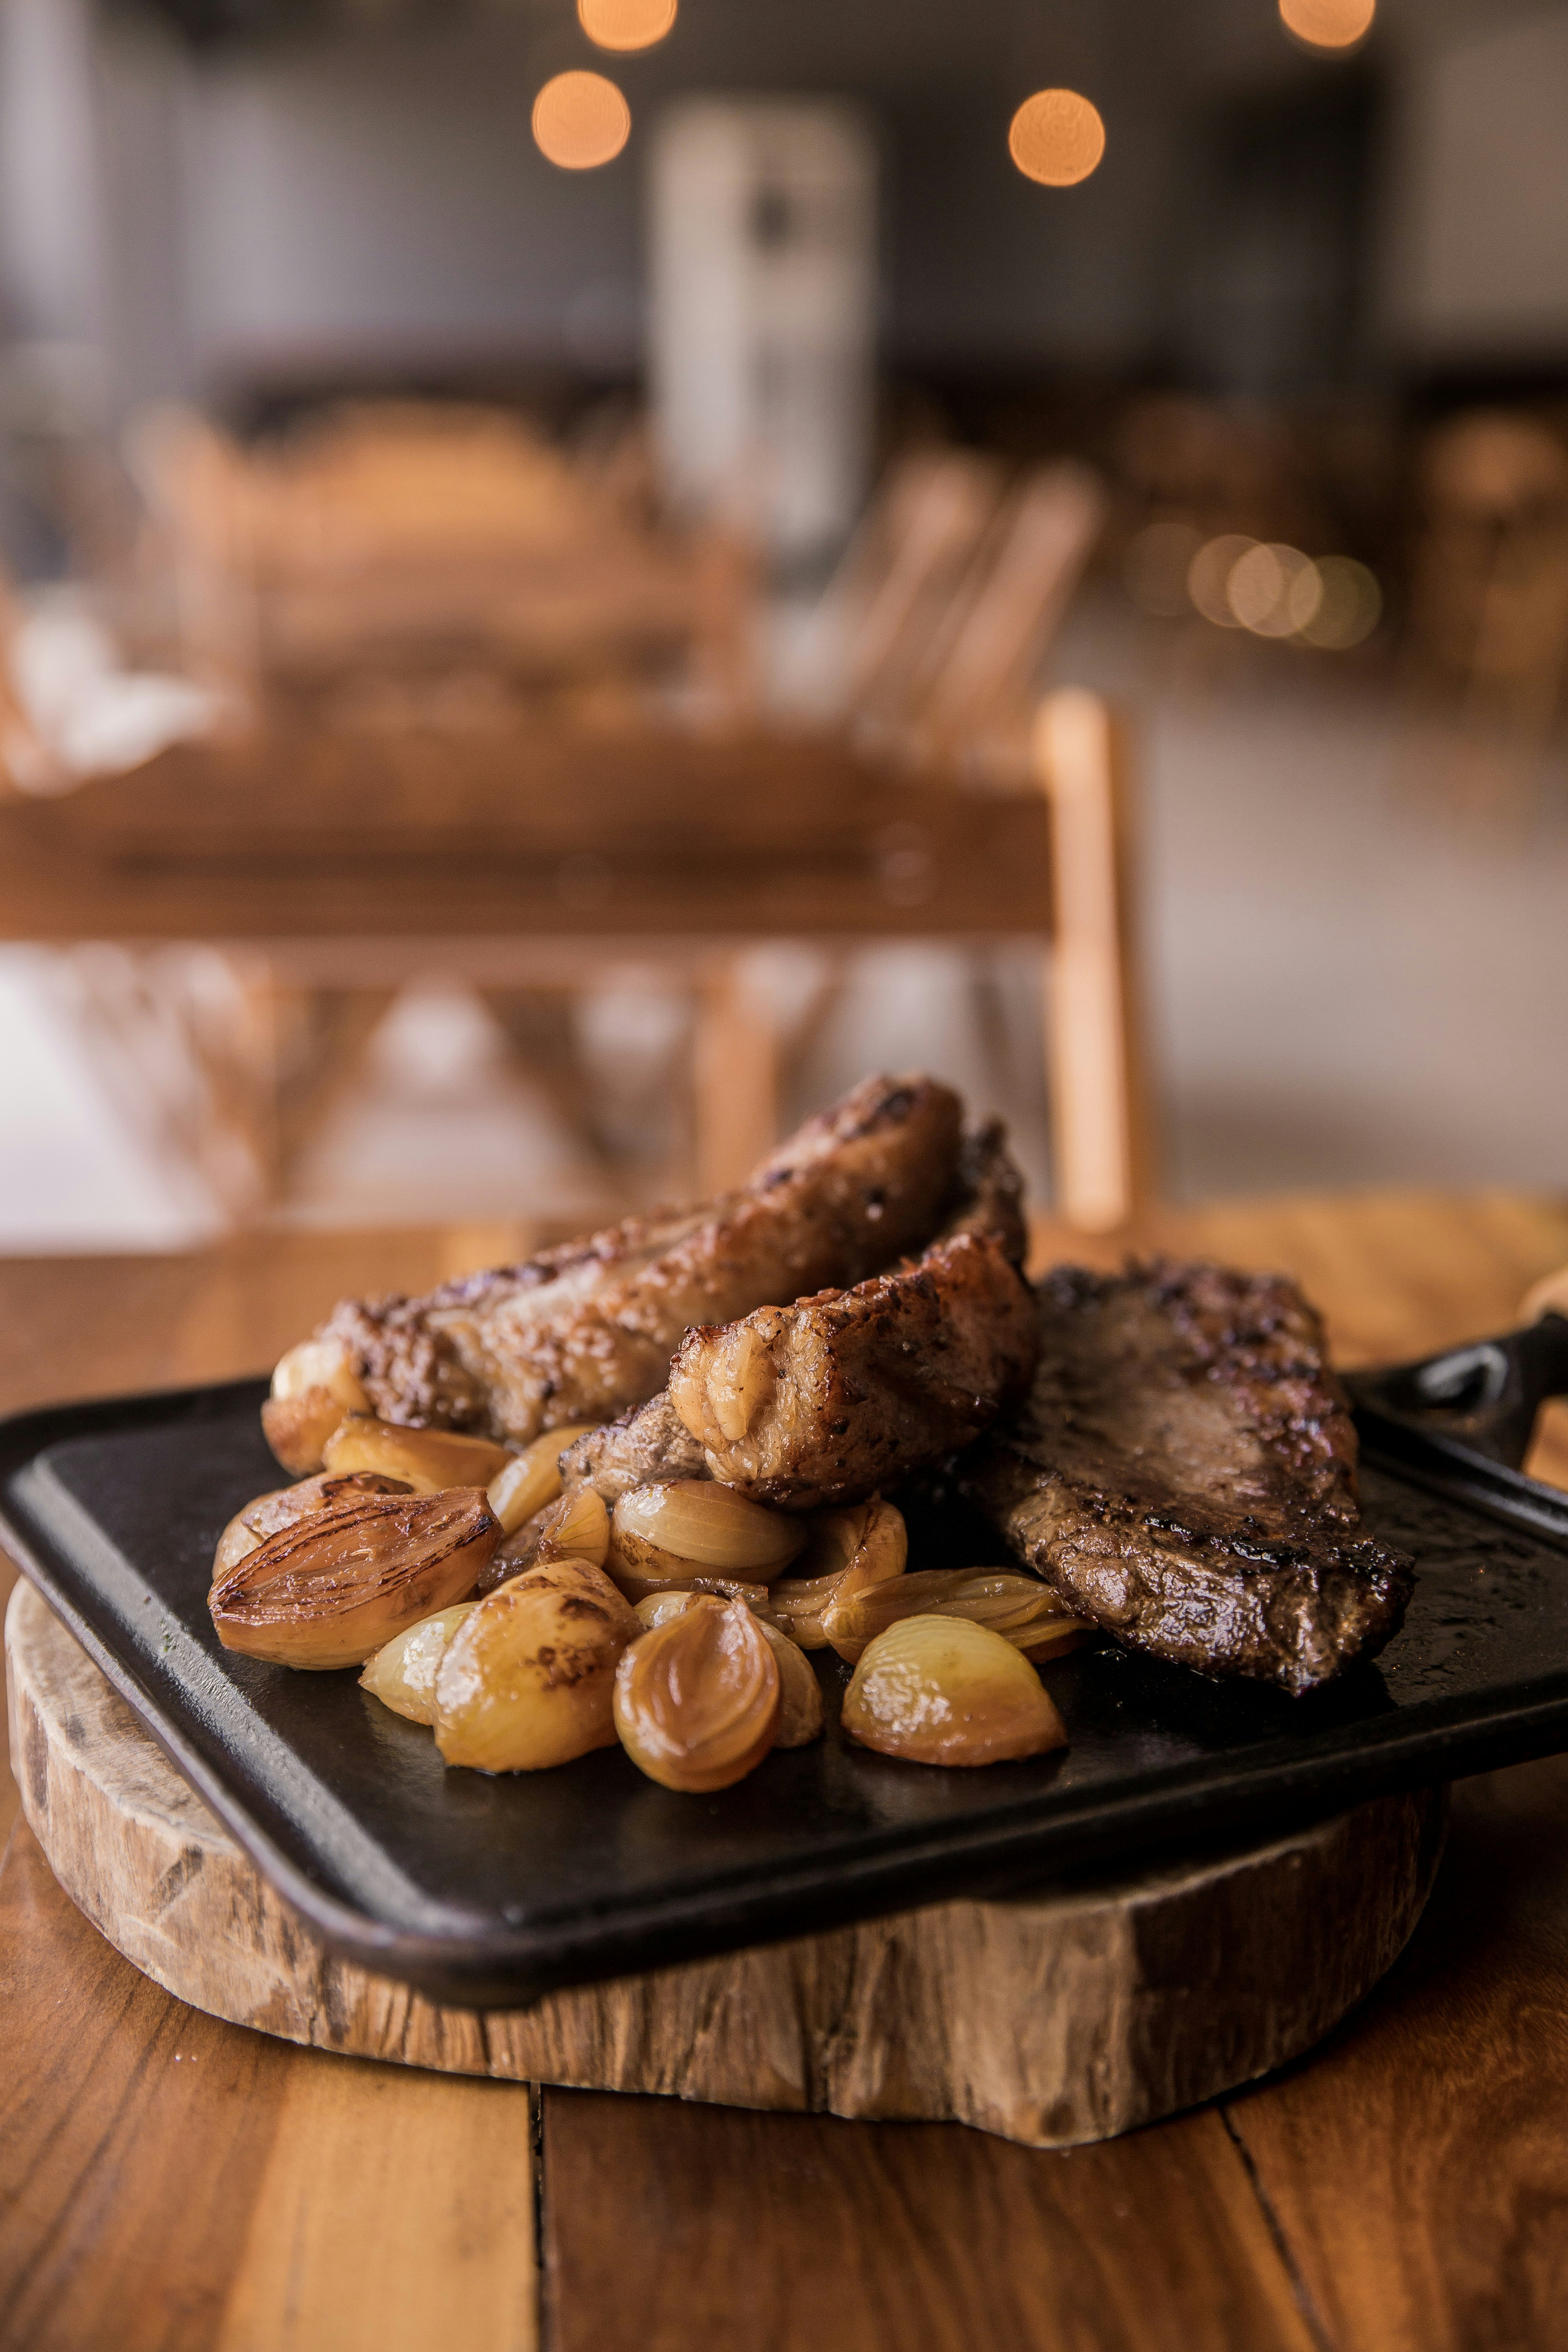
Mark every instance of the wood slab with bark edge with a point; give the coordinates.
(1053, 2018)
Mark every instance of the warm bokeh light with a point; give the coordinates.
(1275, 590)
(1328, 24)
(1261, 585)
(1349, 607)
(1057, 137)
(626, 24)
(1208, 577)
(580, 120)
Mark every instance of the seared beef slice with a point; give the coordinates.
(1184, 1473)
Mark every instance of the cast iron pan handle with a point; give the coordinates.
(1485, 1395)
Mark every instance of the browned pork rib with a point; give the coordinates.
(582, 1331)
(1184, 1473)
(842, 1394)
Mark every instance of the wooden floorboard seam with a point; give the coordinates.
(543, 2263)
(1312, 2318)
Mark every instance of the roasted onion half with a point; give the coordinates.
(402, 1674)
(330, 1590)
(698, 1700)
(679, 1529)
(313, 1387)
(944, 1690)
(528, 1679)
(849, 1551)
(574, 1527)
(430, 1459)
(1021, 1609)
(265, 1514)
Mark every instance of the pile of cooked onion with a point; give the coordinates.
(528, 1626)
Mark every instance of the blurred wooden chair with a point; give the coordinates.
(414, 542)
(1489, 612)
(945, 605)
(346, 853)
(330, 872)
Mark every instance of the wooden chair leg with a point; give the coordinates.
(734, 1079)
(1101, 1137)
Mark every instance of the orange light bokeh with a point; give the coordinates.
(1328, 24)
(626, 24)
(1057, 137)
(580, 120)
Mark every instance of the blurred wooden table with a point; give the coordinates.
(168, 2183)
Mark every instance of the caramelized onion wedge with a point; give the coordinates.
(698, 1700)
(849, 1550)
(332, 1588)
(430, 1459)
(313, 1386)
(574, 1527)
(532, 1479)
(944, 1690)
(800, 1693)
(528, 1680)
(1009, 1603)
(402, 1673)
(665, 1532)
(267, 1513)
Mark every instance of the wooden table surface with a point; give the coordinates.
(169, 2181)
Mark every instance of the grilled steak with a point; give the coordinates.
(1184, 1473)
(842, 1394)
(580, 1332)
(643, 1448)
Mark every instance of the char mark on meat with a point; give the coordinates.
(1184, 1473)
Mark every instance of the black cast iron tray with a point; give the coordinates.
(491, 1892)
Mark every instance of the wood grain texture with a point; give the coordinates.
(777, 2234)
(169, 2183)
(1418, 2170)
(395, 2214)
(1053, 2020)
(136, 2138)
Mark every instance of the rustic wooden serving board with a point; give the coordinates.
(1053, 2018)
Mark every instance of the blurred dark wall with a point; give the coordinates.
(274, 192)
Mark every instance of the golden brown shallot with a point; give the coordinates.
(944, 1690)
(313, 1386)
(528, 1679)
(265, 1514)
(402, 1673)
(698, 1700)
(1026, 1612)
(800, 1693)
(330, 1590)
(670, 1533)
(574, 1527)
(430, 1459)
(532, 1479)
(849, 1550)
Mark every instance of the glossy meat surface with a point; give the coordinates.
(1184, 1473)
(580, 1332)
(840, 1395)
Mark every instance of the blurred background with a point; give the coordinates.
(536, 537)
